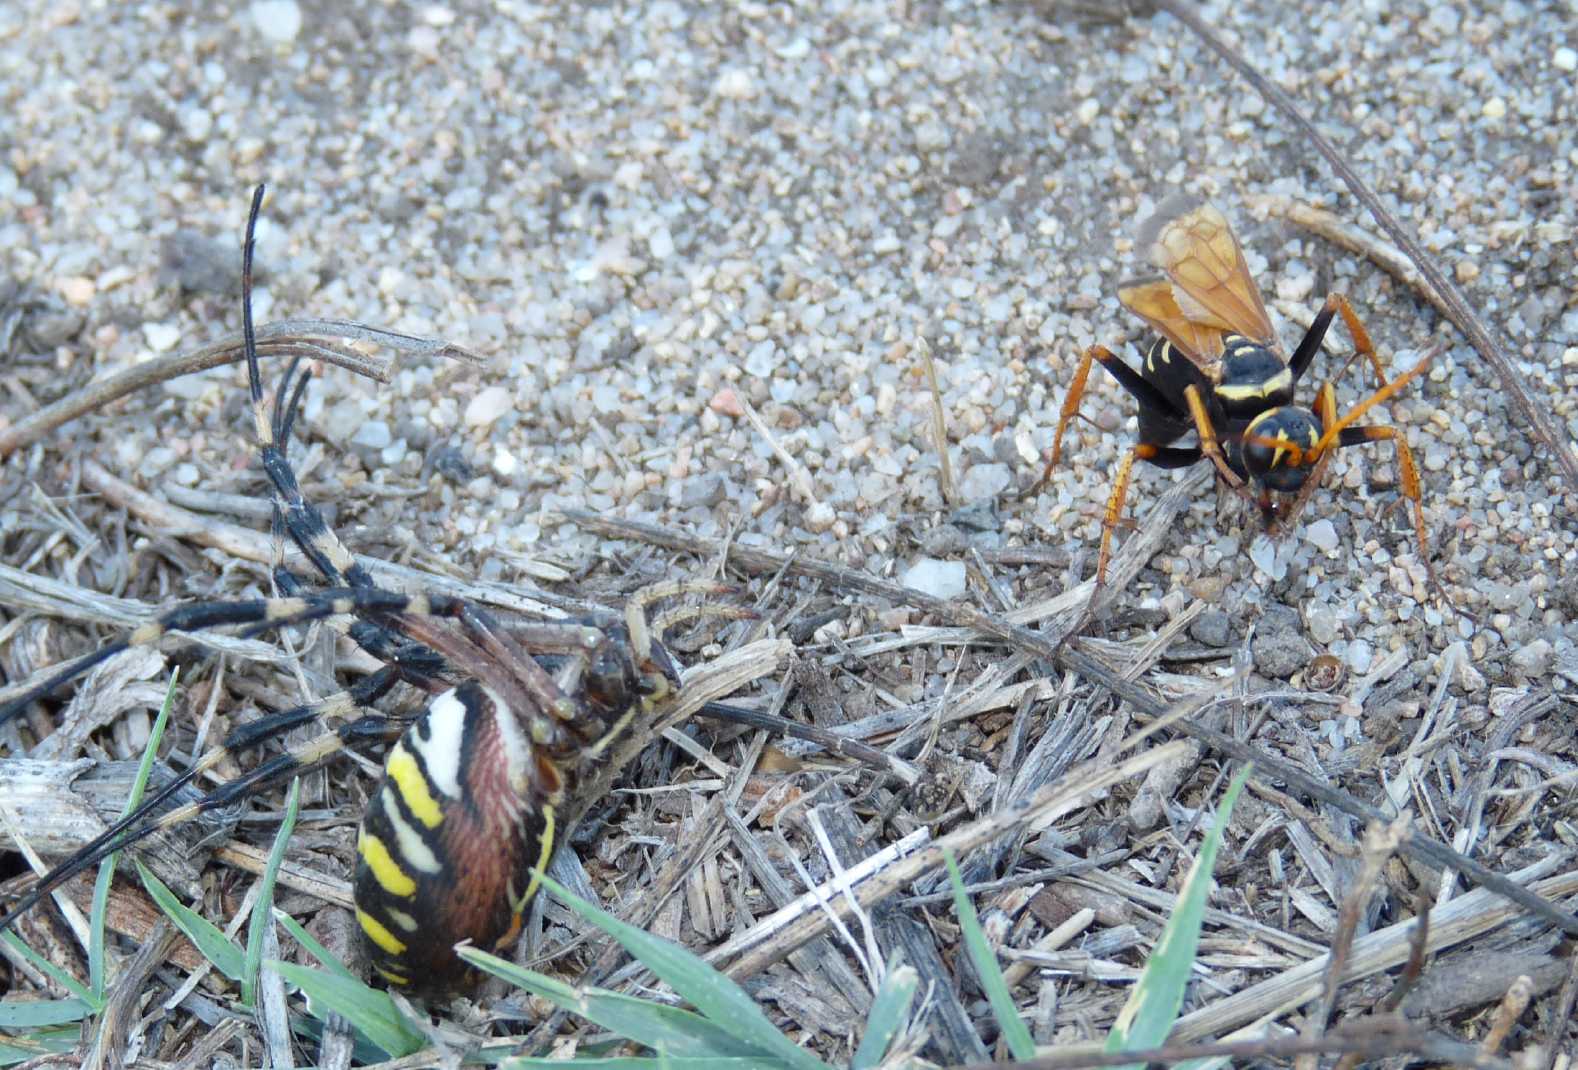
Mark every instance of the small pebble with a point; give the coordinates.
(1323, 534)
(279, 21)
(735, 84)
(1322, 623)
(703, 491)
(1533, 659)
(726, 403)
(489, 404)
(161, 337)
(373, 435)
(940, 579)
(78, 290)
(1279, 648)
(1213, 628)
(762, 360)
(985, 481)
(1360, 654)
(1565, 59)
(820, 517)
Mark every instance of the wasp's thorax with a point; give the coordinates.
(1252, 379)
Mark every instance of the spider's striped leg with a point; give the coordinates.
(150, 817)
(257, 615)
(302, 519)
(416, 664)
(293, 513)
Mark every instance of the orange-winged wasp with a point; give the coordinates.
(1218, 370)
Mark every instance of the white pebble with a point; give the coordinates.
(735, 84)
(1494, 108)
(504, 462)
(197, 123)
(661, 242)
(489, 404)
(760, 361)
(1323, 534)
(1565, 59)
(985, 481)
(278, 21)
(940, 579)
(1263, 552)
(374, 435)
(1360, 654)
(161, 337)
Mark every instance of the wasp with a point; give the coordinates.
(1217, 369)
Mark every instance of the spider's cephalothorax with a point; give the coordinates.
(477, 789)
(1216, 370)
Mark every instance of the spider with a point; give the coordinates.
(477, 789)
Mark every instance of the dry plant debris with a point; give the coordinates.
(658, 221)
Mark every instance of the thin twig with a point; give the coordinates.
(797, 472)
(1457, 309)
(1375, 1039)
(939, 421)
(1342, 233)
(288, 338)
(1379, 843)
(1084, 783)
(1418, 949)
(1073, 657)
(1512, 1006)
(1561, 1014)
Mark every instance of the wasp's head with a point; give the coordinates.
(1277, 449)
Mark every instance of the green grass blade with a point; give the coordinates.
(14, 1050)
(1153, 1006)
(889, 1011)
(675, 1032)
(371, 1012)
(718, 999)
(263, 909)
(208, 939)
(315, 949)
(56, 974)
(638, 1063)
(33, 1013)
(106, 875)
(1015, 1033)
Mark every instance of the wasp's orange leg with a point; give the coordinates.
(1407, 480)
(1137, 386)
(1326, 410)
(1076, 392)
(1334, 430)
(1112, 518)
(1209, 446)
(1362, 345)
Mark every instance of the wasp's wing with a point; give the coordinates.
(1153, 301)
(1192, 242)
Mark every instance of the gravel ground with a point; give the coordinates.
(647, 215)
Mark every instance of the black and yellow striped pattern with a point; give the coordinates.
(473, 791)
